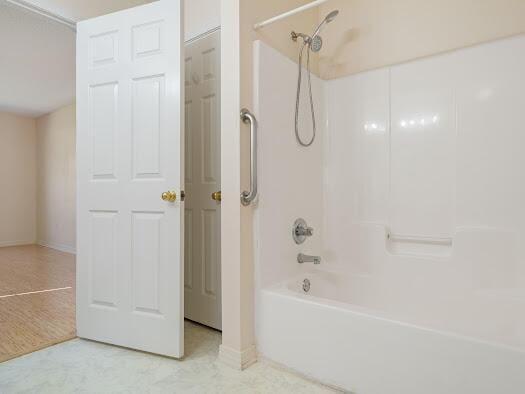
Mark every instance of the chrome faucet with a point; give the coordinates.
(301, 230)
(304, 258)
(304, 231)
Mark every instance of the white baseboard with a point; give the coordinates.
(60, 247)
(15, 243)
(238, 359)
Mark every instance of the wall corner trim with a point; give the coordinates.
(59, 247)
(239, 360)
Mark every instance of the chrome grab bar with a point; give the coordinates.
(446, 241)
(248, 197)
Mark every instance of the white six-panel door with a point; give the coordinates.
(129, 150)
(202, 288)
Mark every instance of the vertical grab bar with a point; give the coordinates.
(248, 197)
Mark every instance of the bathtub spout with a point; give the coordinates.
(304, 258)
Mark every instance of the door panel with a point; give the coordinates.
(203, 219)
(146, 128)
(103, 264)
(129, 140)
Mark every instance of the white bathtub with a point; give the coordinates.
(368, 351)
(425, 233)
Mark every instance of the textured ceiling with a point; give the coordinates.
(37, 63)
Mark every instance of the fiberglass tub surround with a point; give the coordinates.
(415, 190)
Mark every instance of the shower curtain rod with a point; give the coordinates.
(288, 13)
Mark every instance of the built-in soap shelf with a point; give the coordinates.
(419, 245)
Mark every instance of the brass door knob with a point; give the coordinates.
(169, 196)
(217, 196)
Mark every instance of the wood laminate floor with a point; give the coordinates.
(37, 299)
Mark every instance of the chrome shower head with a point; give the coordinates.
(331, 16)
(316, 43)
(328, 18)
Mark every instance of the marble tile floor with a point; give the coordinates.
(80, 366)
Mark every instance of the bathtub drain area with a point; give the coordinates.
(306, 285)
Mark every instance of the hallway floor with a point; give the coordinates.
(37, 299)
(90, 367)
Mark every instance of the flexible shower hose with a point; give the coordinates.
(298, 97)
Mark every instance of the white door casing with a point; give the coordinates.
(202, 289)
(129, 150)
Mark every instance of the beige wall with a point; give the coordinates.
(17, 180)
(232, 337)
(56, 179)
(200, 16)
(278, 36)
(373, 33)
(237, 36)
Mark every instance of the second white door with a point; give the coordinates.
(202, 290)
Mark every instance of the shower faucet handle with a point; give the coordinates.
(301, 230)
(306, 231)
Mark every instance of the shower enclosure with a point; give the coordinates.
(415, 188)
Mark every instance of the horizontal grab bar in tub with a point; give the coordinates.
(447, 241)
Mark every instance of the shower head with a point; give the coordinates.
(331, 16)
(315, 42)
(328, 18)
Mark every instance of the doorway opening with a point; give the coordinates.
(37, 180)
(202, 280)
(132, 195)
(119, 136)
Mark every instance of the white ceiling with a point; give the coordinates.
(37, 55)
(37, 63)
(78, 10)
